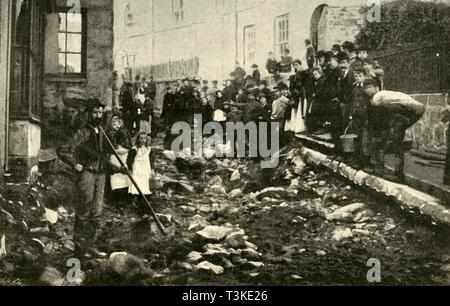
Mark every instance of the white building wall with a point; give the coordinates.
(209, 31)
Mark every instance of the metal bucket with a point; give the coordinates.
(348, 143)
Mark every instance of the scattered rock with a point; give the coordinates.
(198, 223)
(215, 250)
(277, 193)
(51, 216)
(321, 253)
(214, 233)
(389, 227)
(445, 268)
(209, 267)
(3, 246)
(177, 186)
(186, 266)
(237, 193)
(342, 233)
(296, 277)
(69, 245)
(215, 180)
(218, 189)
(284, 205)
(250, 245)
(236, 176)
(255, 264)
(170, 155)
(52, 277)
(235, 239)
(123, 263)
(227, 263)
(346, 213)
(251, 253)
(194, 257)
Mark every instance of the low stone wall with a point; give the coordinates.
(430, 133)
(407, 197)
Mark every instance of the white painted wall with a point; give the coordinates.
(209, 31)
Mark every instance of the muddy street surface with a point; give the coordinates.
(228, 222)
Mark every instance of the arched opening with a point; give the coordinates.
(315, 22)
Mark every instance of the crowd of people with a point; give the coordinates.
(338, 92)
(327, 94)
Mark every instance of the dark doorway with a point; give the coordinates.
(27, 60)
(315, 21)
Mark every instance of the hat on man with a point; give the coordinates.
(254, 66)
(337, 48)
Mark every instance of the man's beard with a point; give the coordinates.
(96, 122)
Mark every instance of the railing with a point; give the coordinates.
(172, 70)
(422, 69)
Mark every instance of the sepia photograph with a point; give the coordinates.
(195, 144)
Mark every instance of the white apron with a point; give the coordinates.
(119, 180)
(299, 126)
(142, 171)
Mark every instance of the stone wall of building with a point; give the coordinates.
(99, 64)
(339, 24)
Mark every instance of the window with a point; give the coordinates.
(70, 41)
(281, 34)
(178, 10)
(129, 16)
(249, 46)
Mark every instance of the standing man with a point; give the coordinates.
(310, 54)
(256, 75)
(334, 113)
(87, 154)
(346, 82)
(152, 88)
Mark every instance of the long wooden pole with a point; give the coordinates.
(158, 222)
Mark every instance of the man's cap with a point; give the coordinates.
(254, 66)
(47, 155)
(336, 47)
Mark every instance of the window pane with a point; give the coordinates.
(73, 63)
(62, 42)
(62, 22)
(74, 23)
(61, 63)
(74, 43)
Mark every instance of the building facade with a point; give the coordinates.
(206, 37)
(46, 55)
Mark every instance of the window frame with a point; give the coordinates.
(82, 75)
(247, 44)
(277, 32)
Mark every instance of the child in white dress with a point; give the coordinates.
(139, 163)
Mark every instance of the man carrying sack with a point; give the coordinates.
(392, 114)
